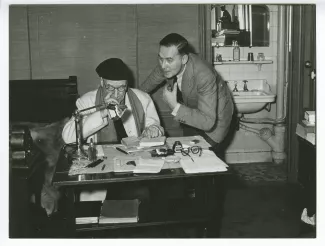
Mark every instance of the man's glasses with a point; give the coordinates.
(178, 148)
(112, 88)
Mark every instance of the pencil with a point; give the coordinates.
(121, 150)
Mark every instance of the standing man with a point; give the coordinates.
(199, 98)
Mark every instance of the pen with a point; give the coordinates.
(95, 163)
(117, 148)
(103, 167)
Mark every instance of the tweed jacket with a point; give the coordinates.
(208, 103)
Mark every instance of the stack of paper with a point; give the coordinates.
(310, 117)
(151, 165)
(207, 162)
(306, 132)
(119, 211)
(149, 142)
(125, 163)
(130, 142)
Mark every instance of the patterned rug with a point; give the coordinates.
(252, 173)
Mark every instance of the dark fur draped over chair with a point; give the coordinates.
(44, 106)
(48, 139)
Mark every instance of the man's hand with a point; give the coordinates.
(170, 96)
(151, 132)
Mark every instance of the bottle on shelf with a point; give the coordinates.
(236, 51)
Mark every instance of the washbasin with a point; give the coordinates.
(257, 97)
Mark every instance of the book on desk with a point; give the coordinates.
(87, 212)
(119, 211)
(107, 212)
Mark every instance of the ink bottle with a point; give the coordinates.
(92, 152)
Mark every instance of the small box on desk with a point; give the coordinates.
(309, 128)
(310, 116)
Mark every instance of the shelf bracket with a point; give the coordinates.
(259, 65)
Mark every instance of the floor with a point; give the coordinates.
(259, 204)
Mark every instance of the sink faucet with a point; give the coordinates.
(245, 85)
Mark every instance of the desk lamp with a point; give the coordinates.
(80, 153)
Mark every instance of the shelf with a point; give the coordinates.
(257, 63)
(243, 62)
(162, 212)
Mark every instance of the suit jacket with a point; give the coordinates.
(208, 103)
(92, 121)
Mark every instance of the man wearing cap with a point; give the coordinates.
(139, 119)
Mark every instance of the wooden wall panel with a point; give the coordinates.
(70, 40)
(74, 39)
(18, 43)
(155, 22)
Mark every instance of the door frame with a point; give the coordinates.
(301, 37)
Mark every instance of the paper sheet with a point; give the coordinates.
(208, 162)
(152, 165)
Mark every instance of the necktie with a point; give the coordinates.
(179, 96)
(120, 130)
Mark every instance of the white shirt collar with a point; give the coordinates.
(180, 76)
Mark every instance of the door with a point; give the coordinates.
(302, 80)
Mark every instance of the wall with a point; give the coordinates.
(56, 41)
(155, 22)
(246, 146)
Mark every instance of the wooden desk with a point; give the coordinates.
(206, 208)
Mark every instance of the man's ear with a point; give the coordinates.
(101, 82)
(184, 59)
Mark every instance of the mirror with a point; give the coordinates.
(249, 25)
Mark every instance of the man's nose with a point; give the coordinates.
(163, 64)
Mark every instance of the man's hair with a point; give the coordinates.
(174, 39)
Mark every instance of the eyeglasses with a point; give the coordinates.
(112, 88)
(178, 148)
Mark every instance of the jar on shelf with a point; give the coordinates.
(260, 57)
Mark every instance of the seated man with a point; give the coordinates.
(139, 119)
